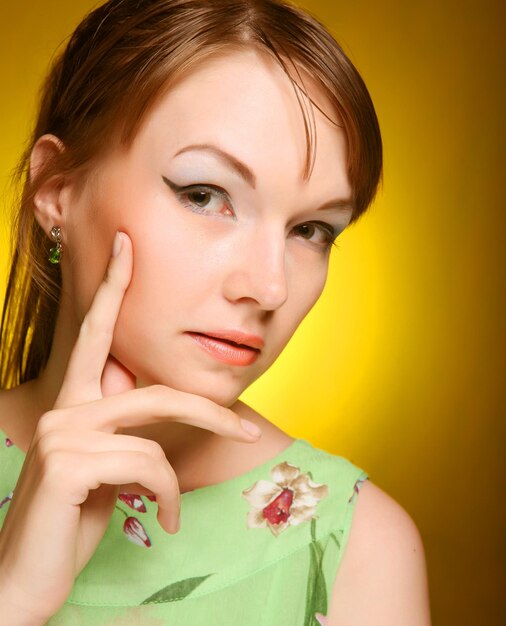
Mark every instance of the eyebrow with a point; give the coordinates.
(249, 177)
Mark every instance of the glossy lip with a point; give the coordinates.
(225, 352)
(237, 336)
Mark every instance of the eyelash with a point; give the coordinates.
(328, 231)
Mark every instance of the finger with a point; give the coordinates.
(91, 350)
(98, 441)
(151, 405)
(72, 440)
(91, 470)
(138, 490)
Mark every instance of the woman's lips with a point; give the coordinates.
(225, 351)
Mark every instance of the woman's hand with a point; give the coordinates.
(78, 459)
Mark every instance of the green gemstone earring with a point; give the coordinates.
(55, 253)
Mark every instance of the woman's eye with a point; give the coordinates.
(206, 199)
(321, 233)
(212, 200)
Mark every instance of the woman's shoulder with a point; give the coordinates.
(384, 560)
(378, 516)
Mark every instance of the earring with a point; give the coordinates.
(55, 253)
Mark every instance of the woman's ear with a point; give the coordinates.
(48, 206)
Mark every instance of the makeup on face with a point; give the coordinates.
(214, 200)
(225, 350)
(237, 242)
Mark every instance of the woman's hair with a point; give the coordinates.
(119, 61)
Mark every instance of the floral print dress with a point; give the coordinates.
(260, 549)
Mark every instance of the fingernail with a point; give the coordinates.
(250, 428)
(118, 242)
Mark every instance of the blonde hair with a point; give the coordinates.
(121, 58)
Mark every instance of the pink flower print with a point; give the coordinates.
(135, 532)
(321, 619)
(290, 499)
(278, 510)
(133, 500)
(7, 499)
(8, 442)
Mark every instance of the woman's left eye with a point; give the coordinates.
(210, 200)
(326, 231)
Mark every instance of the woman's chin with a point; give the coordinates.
(225, 395)
(222, 386)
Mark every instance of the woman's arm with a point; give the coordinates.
(382, 579)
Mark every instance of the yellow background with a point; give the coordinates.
(400, 365)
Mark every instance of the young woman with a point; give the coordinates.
(191, 165)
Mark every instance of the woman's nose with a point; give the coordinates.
(257, 271)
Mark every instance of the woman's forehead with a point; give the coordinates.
(245, 104)
(242, 83)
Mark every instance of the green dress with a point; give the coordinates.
(260, 549)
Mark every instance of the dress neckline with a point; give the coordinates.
(248, 475)
(224, 484)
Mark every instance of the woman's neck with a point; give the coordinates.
(198, 456)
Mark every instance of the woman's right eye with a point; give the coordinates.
(206, 199)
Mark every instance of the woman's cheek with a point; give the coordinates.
(306, 280)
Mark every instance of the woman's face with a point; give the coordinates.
(214, 247)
